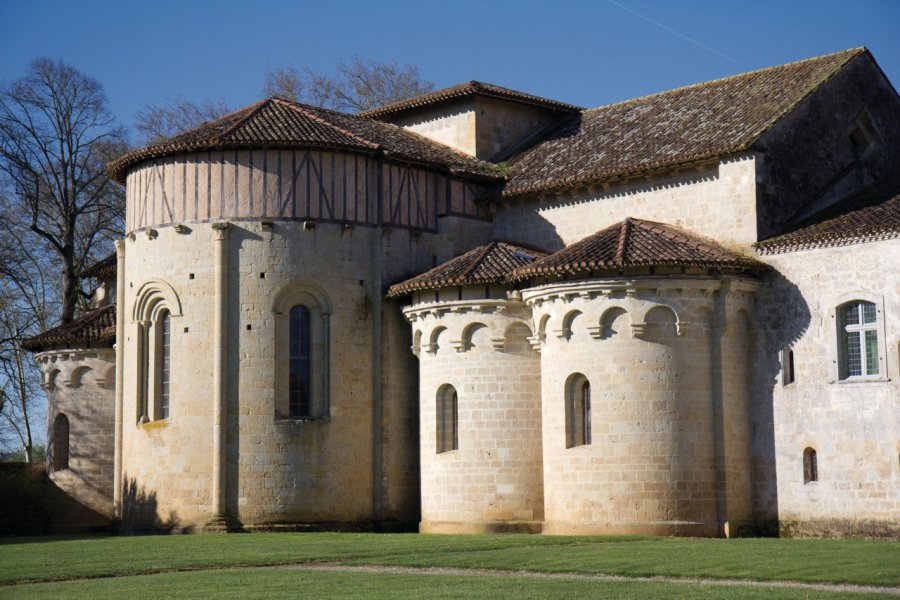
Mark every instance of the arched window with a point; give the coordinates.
(155, 305)
(447, 425)
(300, 385)
(858, 336)
(578, 411)
(155, 348)
(60, 442)
(302, 317)
(163, 364)
(810, 468)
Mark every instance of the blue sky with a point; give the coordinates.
(586, 53)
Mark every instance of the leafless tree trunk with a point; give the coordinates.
(56, 135)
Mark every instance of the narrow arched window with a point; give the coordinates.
(585, 406)
(164, 366)
(810, 468)
(447, 425)
(858, 333)
(578, 411)
(60, 442)
(300, 384)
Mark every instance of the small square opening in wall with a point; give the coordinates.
(249, 327)
(262, 275)
(186, 329)
(190, 275)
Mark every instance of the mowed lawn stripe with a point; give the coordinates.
(286, 583)
(49, 559)
(810, 561)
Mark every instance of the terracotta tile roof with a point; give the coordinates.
(490, 263)
(98, 325)
(681, 126)
(279, 123)
(874, 215)
(102, 268)
(463, 90)
(637, 243)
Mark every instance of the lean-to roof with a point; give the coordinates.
(94, 326)
(870, 216)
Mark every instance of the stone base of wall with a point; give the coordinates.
(668, 528)
(840, 528)
(334, 526)
(480, 527)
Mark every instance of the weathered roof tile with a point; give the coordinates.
(463, 90)
(98, 325)
(680, 126)
(279, 123)
(636, 243)
(490, 263)
(873, 215)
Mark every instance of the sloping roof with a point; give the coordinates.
(102, 268)
(490, 263)
(868, 217)
(280, 123)
(98, 325)
(681, 126)
(637, 243)
(463, 90)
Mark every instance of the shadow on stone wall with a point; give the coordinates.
(783, 316)
(31, 504)
(139, 512)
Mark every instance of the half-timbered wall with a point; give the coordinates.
(293, 184)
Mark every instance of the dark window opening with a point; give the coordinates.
(300, 385)
(810, 468)
(60, 442)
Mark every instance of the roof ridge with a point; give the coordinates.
(252, 111)
(623, 240)
(851, 53)
(478, 260)
(301, 108)
(464, 88)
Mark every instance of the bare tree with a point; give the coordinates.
(155, 123)
(26, 306)
(359, 84)
(56, 136)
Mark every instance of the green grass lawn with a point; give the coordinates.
(151, 565)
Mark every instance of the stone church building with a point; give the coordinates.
(479, 310)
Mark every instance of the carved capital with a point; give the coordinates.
(639, 330)
(220, 230)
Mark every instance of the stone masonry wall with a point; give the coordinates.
(656, 460)
(852, 425)
(718, 201)
(80, 385)
(492, 482)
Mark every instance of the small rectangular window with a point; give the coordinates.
(787, 366)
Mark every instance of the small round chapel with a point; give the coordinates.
(600, 389)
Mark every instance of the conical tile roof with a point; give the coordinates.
(637, 243)
(490, 263)
(283, 124)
